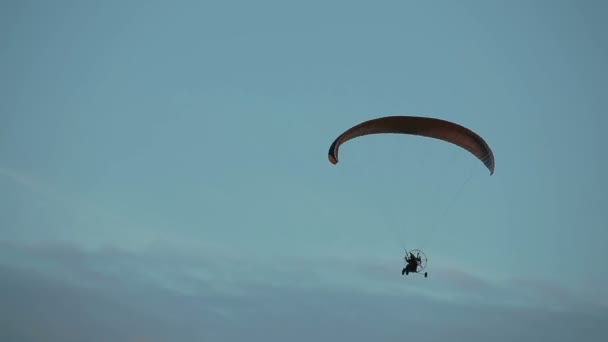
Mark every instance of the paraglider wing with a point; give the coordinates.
(421, 126)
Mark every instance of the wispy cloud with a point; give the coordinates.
(183, 268)
(86, 216)
(181, 264)
(45, 191)
(19, 178)
(135, 305)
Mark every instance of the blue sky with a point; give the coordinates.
(164, 172)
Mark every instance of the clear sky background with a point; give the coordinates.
(164, 172)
